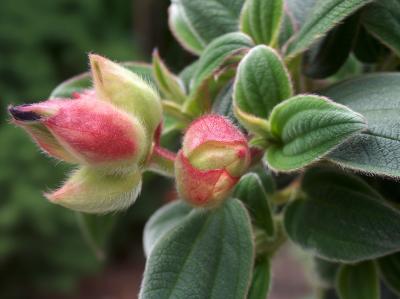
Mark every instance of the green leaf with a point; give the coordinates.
(299, 10)
(308, 127)
(216, 60)
(389, 267)
(163, 221)
(209, 19)
(251, 192)
(182, 30)
(342, 219)
(96, 230)
(84, 80)
(327, 56)
(261, 280)
(358, 281)
(261, 83)
(324, 17)
(377, 98)
(261, 19)
(170, 85)
(382, 19)
(367, 48)
(208, 255)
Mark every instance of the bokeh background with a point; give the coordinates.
(43, 253)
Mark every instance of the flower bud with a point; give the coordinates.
(89, 191)
(127, 91)
(213, 157)
(85, 131)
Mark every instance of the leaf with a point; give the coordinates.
(84, 80)
(208, 255)
(261, 280)
(251, 192)
(389, 267)
(163, 221)
(210, 76)
(367, 48)
(96, 231)
(299, 10)
(326, 272)
(358, 281)
(182, 30)
(342, 219)
(308, 127)
(210, 19)
(327, 56)
(261, 19)
(170, 85)
(324, 17)
(382, 19)
(377, 98)
(262, 82)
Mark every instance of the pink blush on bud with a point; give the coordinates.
(94, 130)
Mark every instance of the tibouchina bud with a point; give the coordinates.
(109, 131)
(213, 157)
(89, 191)
(126, 90)
(85, 131)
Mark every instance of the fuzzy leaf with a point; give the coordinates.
(222, 52)
(208, 255)
(182, 30)
(377, 98)
(342, 219)
(299, 10)
(389, 267)
(324, 17)
(382, 19)
(358, 281)
(261, 83)
(251, 192)
(163, 221)
(261, 19)
(84, 80)
(308, 127)
(170, 85)
(261, 280)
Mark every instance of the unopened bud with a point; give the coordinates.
(127, 91)
(89, 191)
(213, 157)
(85, 131)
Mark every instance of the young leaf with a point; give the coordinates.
(169, 84)
(183, 31)
(163, 221)
(358, 281)
(308, 127)
(261, 280)
(251, 192)
(325, 15)
(376, 97)
(84, 80)
(389, 267)
(327, 55)
(382, 19)
(261, 19)
(197, 23)
(342, 219)
(208, 255)
(222, 52)
(262, 82)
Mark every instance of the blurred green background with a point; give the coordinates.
(42, 43)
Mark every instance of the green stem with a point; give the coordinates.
(162, 161)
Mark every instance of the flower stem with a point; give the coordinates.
(162, 161)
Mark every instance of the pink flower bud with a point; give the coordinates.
(213, 157)
(85, 130)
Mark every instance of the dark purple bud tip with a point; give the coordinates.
(23, 115)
